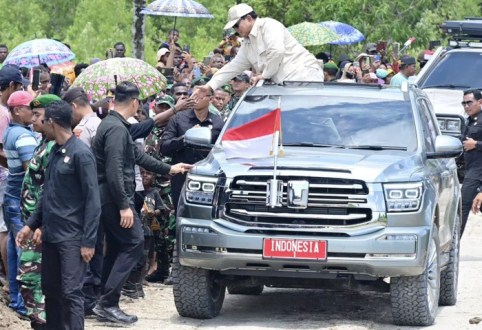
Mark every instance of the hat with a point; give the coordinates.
(381, 73)
(166, 99)
(377, 58)
(227, 88)
(9, 73)
(20, 98)
(242, 77)
(407, 60)
(330, 65)
(43, 100)
(229, 33)
(236, 12)
(199, 81)
(72, 94)
(371, 47)
(161, 52)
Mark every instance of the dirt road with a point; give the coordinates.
(316, 309)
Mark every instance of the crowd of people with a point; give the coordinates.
(87, 192)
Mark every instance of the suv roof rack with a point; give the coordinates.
(469, 30)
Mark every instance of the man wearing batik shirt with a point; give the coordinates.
(31, 259)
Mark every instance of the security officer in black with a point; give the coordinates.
(68, 213)
(472, 141)
(116, 155)
(173, 138)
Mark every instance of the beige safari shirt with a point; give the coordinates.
(272, 51)
(87, 128)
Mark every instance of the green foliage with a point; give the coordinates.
(92, 26)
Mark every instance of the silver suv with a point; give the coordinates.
(369, 195)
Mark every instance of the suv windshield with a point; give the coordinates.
(455, 70)
(341, 122)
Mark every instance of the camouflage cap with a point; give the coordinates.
(43, 100)
(166, 99)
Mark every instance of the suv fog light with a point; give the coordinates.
(194, 229)
(401, 237)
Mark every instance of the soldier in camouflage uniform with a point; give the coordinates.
(163, 241)
(31, 259)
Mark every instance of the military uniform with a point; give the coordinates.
(163, 240)
(31, 258)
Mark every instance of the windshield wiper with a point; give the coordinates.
(311, 144)
(377, 147)
(452, 86)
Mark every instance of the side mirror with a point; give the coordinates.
(198, 137)
(446, 147)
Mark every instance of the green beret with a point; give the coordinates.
(200, 81)
(330, 65)
(227, 88)
(43, 100)
(166, 99)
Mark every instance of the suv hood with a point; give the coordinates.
(446, 101)
(367, 165)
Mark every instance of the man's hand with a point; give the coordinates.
(37, 236)
(201, 92)
(127, 218)
(469, 144)
(180, 168)
(184, 103)
(87, 253)
(23, 236)
(255, 78)
(476, 203)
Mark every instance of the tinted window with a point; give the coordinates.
(336, 120)
(461, 70)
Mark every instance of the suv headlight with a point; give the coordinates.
(403, 197)
(450, 125)
(200, 189)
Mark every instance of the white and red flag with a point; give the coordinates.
(255, 139)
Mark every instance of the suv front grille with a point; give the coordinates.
(330, 202)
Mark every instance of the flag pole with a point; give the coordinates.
(275, 187)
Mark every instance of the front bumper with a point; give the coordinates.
(228, 248)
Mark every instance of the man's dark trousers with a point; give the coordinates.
(124, 249)
(469, 191)
(63, 272)
(93, 279)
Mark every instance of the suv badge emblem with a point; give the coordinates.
(298, 194)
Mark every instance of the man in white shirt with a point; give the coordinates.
(268, 48)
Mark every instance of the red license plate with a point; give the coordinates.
(294, 249)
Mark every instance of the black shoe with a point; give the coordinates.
(168, 280)
(38, 326)
(114, 314)
(156, 277)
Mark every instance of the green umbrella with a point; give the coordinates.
(98, 78)
(312, 34)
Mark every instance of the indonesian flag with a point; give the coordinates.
(258, 138)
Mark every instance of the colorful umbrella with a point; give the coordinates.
(98, 78)
(347, 34)
(177, 8)
(38, 51)
(312, 34)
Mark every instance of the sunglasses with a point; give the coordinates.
(235, 26)
(182, 93)
(466, 103)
